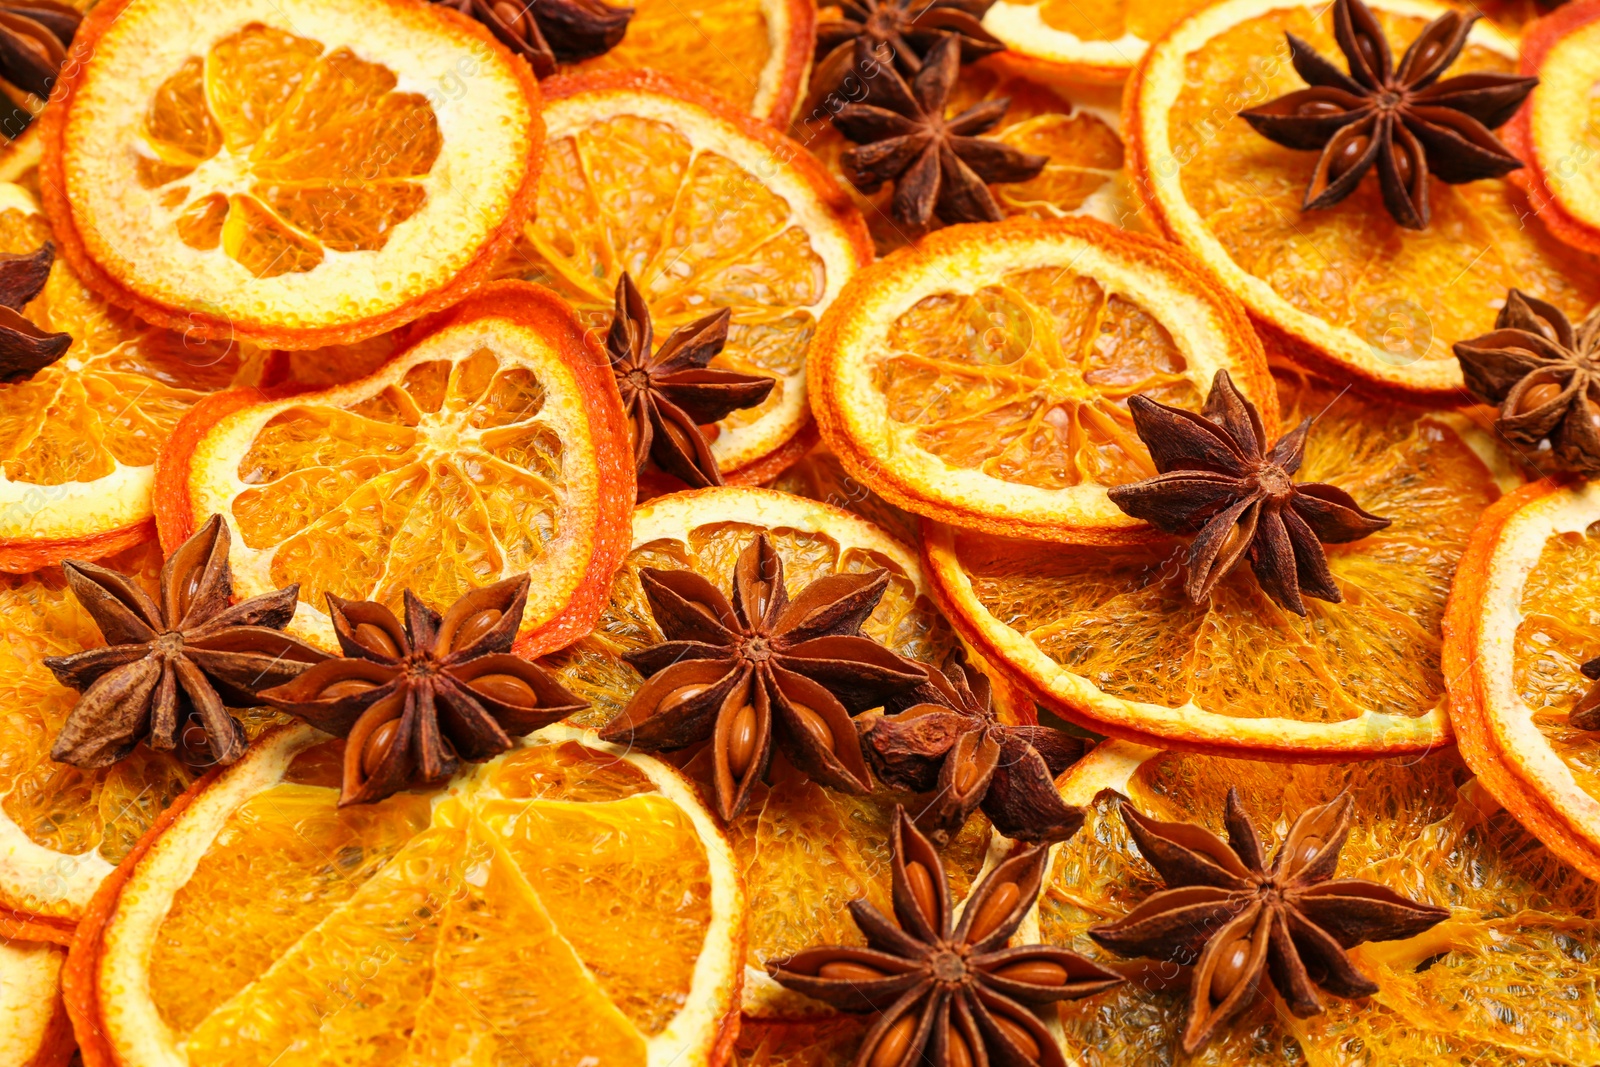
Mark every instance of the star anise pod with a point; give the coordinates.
(897, 31)
(1240, 503)
(951, 742)
(1544, 375)
(548, 32)
(176, 664)
(939, 166)
(670, 393)
(1402, 119)
(412, 702)
(25, 349)
(948, 993)
(764, 669)
(1586, 713)
(34, 36)
(1238, 918)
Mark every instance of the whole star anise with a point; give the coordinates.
(412, 702)
(765, 669)
(951, 742)
(669, 393)
(1402, 119)
(1240, 503)
(939, 166)
(948, 993)
(34, 36)
(1585, 714)
(25, 349)
(897, 31)
(548, 32)
(1544, 375)
(174, 665)
(1238, 918)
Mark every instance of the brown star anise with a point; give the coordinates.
(24, 348)
(670, 393)
(1216, 483)
(34, 36)
(948, 993)
(1586, 713)
(762, 669)
(897, 31)
(548, 32)
(1401, 118)
(413, 701)
(950, 741)
(1544, 375)
(175, 664)
(1238, 918)
(939, 166)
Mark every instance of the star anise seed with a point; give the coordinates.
(169, 668)
(1585, 714)
(1401, 119)
(950, 741)
(940, 167)
(25, 349)
(1238, 918)
(1544, 375)
(548, 32)
(412, 702)
(34, 36)
(670, 393)
(897, 31)
(760, 671)
(1240, 503)
(945, 992)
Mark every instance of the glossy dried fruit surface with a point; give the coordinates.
(1098, 40)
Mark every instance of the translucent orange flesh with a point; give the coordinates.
(1111, 20)
(1410, 294)
(1121, 619)
(326, 148)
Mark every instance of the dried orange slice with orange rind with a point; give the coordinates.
(473, 911)
(37, 1031)
(981, 376)
(1106, 637)
(493, 446)
(1343, 291)
(1521, 623)
(1097, 41)
(1557, 132)
(705, 209)
(297, 174)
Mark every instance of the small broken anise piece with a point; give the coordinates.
(549, 32)
(1216, 483)
(760, 671)
(1239, 919)
(948, 993)
(950, 742)
(413, 701)
(25, 349)
(1544, 375)
(169, 668)
(1585, 714)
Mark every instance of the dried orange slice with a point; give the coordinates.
(37, 1032)
(493, 446)
(1092, 40)
(705, 209)
(981, 376)
(1107, 637)
(1557, 132)
(301, 174)
(1344, 291)
(754, 54)
(1499, 982)
(266, 925)
(1521, 623)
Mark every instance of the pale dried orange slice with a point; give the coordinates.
(1557, 132)
(1107, 637)
(1344, 291)
(1505, 980)
(1091, 40)
(705, 209)
(565, 900)
(981, 376)
(754, 54)
(298, 174)
(1522, 621)
(493, 446)
(37, 1032)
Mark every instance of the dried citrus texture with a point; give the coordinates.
(37, 1032)
(751, 53)
(1097, 40)
(78, 440)
(300, 173)
(1107, 637)
(494, 446)
(1344, 289)
(705, 210)
(1505, 980)
(565, 900)
(982, 376)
